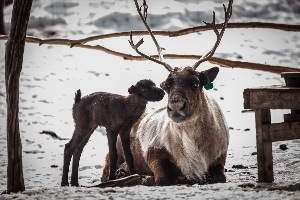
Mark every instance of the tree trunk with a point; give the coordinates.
(2, 29)
(13, 66)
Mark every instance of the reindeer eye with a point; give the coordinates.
(195, 85)
(166, 85)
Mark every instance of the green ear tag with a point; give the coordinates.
(209, 85)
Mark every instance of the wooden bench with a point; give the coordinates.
(262, 100)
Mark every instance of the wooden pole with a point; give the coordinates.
(264, 146)
(2, 28)
(13, 66)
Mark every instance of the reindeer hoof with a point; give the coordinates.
(217, 179)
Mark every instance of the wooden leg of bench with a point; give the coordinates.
(264, 146)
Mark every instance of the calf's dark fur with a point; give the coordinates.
(114, 112)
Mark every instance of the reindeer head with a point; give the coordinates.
(147, 90)
(184, 86)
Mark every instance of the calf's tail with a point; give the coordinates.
(77, 96)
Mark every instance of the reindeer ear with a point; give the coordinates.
(207, 77)
(163, 85)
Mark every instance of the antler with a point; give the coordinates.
(136, 46)
(228, 13)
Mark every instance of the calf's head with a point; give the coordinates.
(184, 88)
(147, 90)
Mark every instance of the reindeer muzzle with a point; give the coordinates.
(177, 108)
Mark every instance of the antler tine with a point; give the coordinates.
(228, 13)
(159, 49)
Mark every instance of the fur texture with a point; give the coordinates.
(192, 143)
(188, 138)
(115, 112)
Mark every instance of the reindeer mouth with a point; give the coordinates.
(177, 109)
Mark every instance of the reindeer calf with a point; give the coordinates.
(116, 113)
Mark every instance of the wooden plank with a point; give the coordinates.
(275, 97)
(274, 88)
(264, 146)
(283, 131)
(134, 180)
(246, 95)
(291, 117)
(128, 181)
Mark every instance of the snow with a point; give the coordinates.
(51, 75)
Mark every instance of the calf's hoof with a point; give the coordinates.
(74, 184)
(112, 177)
(63, 183)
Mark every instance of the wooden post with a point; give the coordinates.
(13, 66)
(262, 100)
(264, 146)
(2, 29)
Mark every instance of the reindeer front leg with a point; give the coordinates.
(162, 165)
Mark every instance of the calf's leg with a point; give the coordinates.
(68, 152)
(76, 158)
(125, 138)
(70, 148)
(113, 154)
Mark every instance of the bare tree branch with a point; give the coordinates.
(222, 62)
(214, 60)
(283, 27)
(196, 29)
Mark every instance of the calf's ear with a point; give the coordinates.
(132, 89)
(208, 76)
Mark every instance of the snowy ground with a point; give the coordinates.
(51, 75)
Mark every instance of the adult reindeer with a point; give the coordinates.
(189, 137)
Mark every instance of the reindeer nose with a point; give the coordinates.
(176, 104)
